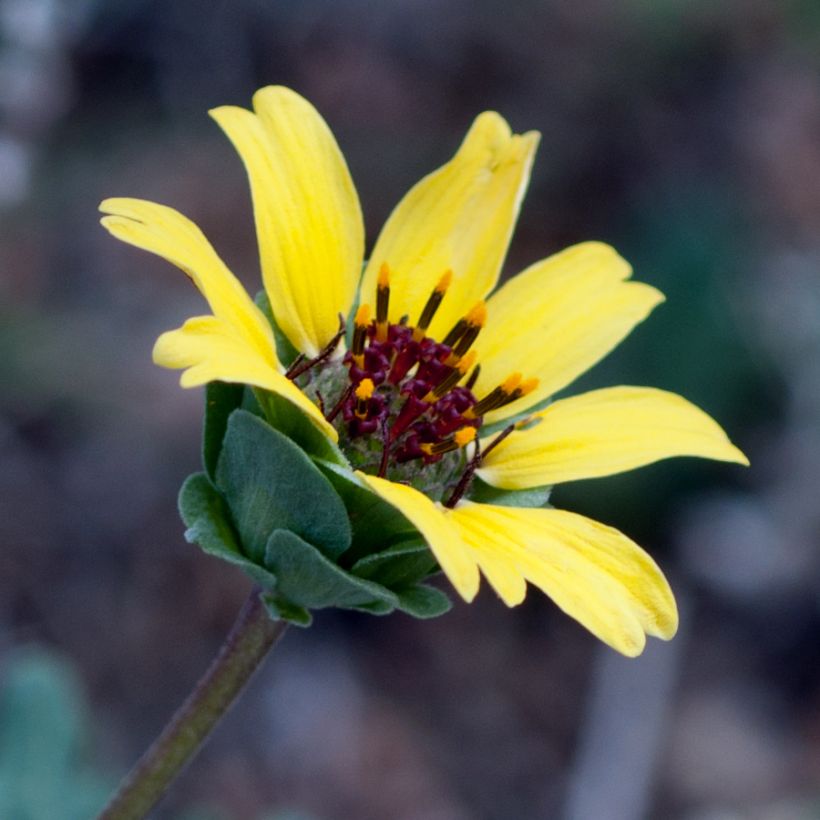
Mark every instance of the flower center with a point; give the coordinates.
(398, 400)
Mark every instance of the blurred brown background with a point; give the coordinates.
(687, 134)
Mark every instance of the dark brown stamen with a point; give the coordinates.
(432, 305)
(452, 378)
(360, 324)
(461, 438)
(475, 462)
(497, 397)
(296, 369)
(385, 449)
(497, 440)
(295, 365)
(455, 332)
(522, 390)
(348, 392)
(474, 321)
(470, 383)
(466, 478)
(382, 302)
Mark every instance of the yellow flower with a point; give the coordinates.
(430, 365)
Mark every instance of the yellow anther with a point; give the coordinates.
(364, 389)
(525, 388)
(445, 281)
(477, 314)
(384, 276)
(511, 382)
(363, 392)
(464, 436)
(363, 315)
(467, 362)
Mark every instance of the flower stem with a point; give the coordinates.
(249, 641)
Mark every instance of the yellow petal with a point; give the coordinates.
(211, 351)
(458, 218)
(592, 572)
(308, 220)
(503, 573)
(604, 432)
(557, 318)
(441, 535)
(167, 233)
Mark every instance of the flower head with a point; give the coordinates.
(430, 385)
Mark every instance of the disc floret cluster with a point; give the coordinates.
(403, 400)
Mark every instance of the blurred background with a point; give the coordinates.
(684, 132)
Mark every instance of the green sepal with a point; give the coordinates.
(423, 602)
(269, 484)
(375, 524)
(281, 610)
(306, 578)
(376, 608)
(221, 399)
(483, 493)
(404, 563)
(289, 420)
(208, 519)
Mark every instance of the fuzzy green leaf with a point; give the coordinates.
(376, 608)
(400, 565)
(209, 525)
(271, 484)
(423, 602)
(375, 524)
(306, 578)
(289, 420)
(221, 399)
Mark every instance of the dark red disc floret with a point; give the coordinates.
(404, 407)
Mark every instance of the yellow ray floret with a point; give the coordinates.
(441, 535)
(604, 432)
(209, 350)
(308, 220)
(459, 218)
(558, 318)
(592, 572)
(167, 233)
(236, 344)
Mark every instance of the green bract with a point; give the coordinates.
(280, 501)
